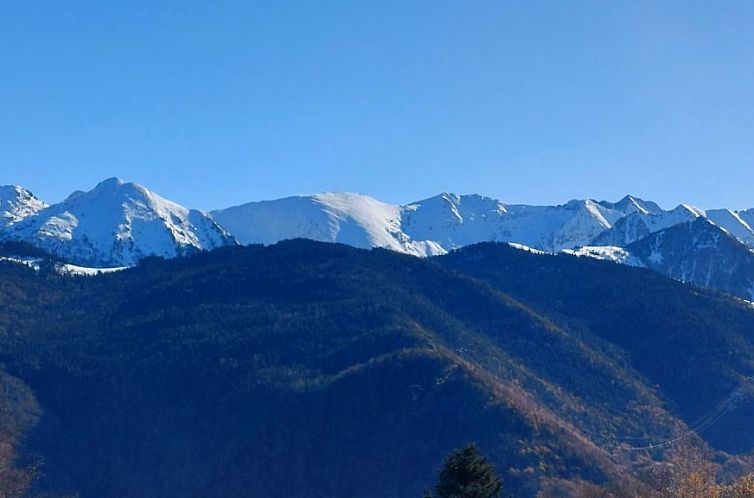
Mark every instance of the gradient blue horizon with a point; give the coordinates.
(213, 104)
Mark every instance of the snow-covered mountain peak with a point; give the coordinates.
(17, 203)
(120, 201)
(118, 223)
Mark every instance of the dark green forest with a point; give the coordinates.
(308, 369)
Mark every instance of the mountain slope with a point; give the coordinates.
(696, 346)
(747, 216)
(701, 253)
(733, 223)
(302, 370)
(309, 369)
(318, 367)
(116, 224)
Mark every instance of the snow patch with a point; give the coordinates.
(75, 271)
(606, 253)
(522, 247)
(33, 263)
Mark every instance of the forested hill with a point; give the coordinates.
(311, 369)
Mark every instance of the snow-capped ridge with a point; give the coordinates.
(118, 222)
(429, 226)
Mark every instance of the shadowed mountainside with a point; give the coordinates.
(311, 369)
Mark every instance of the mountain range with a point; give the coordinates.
(118, 223)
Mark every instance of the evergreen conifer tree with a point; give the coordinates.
(466, 473)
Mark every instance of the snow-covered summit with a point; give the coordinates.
(116, 224)
(354, 219)
(17, 203)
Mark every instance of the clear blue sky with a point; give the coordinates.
(217, 103)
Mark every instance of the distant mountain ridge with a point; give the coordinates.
(118, 223)
(449, 221)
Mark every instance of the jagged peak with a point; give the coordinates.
(631, 204)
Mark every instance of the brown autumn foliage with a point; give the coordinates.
(691, 474)
(686, 473)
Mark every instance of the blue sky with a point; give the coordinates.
(218, 103)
